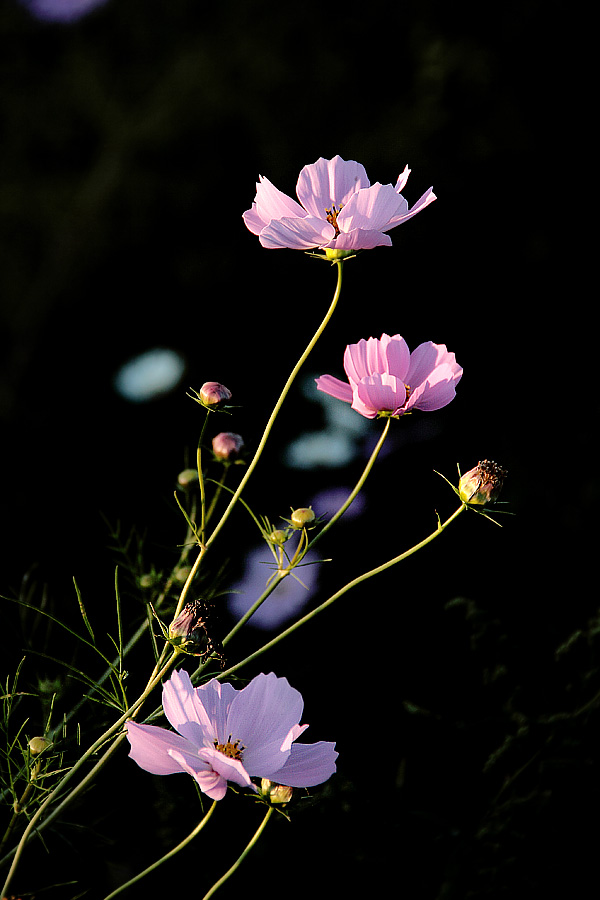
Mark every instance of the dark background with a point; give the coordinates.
(131, 143)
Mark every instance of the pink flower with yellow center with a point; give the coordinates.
(222, 734)
(386, 379)
(339, 209)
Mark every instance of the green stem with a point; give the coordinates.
(242, 856)
(201, 481)
(52, 796)
(167, 856)
(297, 558)
(279, 404)
(357, 487)
(347, 587)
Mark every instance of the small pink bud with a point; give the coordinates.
(482, 484)
(227, 445)
(302, 517)
(213, 394)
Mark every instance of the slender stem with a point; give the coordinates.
(201, 480)
(167, 856)
(279, 404)
(297, 557)
(351, 584)
(52, 796)
(242, 856)
(357, 487)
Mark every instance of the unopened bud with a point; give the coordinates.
(37, 745)
(189, 632)
(213, 394)
(188, 478)
(227, 445)
(277, 793)
(278, 536)
(482, 484)
(302, 517)
(187, 629)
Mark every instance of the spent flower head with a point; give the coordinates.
(339, 212)
(222, 734)
(482, 484)
(386, 379)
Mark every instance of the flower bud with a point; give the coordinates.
(37, 745)
(278, 536)
(213, 394)
(189, 632)
(482, 484)
(303, 517)
(227, 445)
(186, 630)
(277, 793)
(188, 478)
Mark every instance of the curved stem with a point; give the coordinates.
(347, 587)
(279, 404)
(167, 856)
(242, 856)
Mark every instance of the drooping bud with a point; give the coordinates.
(303, 517)
(482, 484)
(227, 445)
(212, 394)
(276, 793)
(37, 745)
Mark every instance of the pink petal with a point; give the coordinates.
(402, 179)
(355, 361)
(211, 783)
(270, 203)
(341, 390)
(151, 746)
(436, 391)
(261, 717)
(184, 711)
(371, 209)
(425, 359)
(396, 354)
(307, 765)
(361, 239)
(379, 393)
(228, 768)
(296, 234)
(403, 215)
(329, 182)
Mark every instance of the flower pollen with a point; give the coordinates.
(331, 216)
(232, 749)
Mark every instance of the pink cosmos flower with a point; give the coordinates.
(228, 735)
(386, 379)
(340, 209)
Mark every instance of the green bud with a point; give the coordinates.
(302, 517)
(276, 793)
(37, 745)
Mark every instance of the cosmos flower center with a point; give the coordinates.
(331, 216)
(232, 749)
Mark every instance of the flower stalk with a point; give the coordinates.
(190, 837)
(242, 855)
